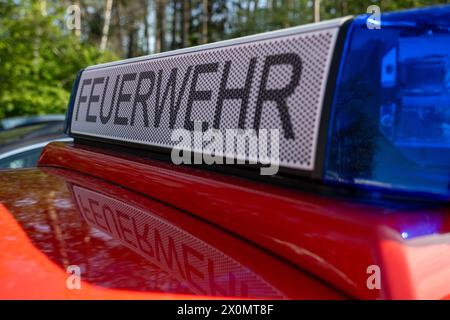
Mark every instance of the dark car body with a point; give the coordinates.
(16, 122)
(21, 147)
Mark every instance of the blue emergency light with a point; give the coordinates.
(390, 119)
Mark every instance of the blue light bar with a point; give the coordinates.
(390, 119)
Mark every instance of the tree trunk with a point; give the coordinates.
(344, 8)
(205, 22)
(160, 25)
(186, 18)
(174, 24)
(255, 12)
(247, 18)
(78, 31)
(106, 25)
(316, 10)
(119, 29)
(146, 28)
(131, 41)
(289, 11)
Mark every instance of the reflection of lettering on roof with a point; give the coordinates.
(203, 268)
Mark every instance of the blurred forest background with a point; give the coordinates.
(40, 53)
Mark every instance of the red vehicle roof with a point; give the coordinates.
(143, 228)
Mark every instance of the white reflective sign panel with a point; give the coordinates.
(270, 81)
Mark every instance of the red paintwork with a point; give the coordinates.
(27, 273)
(333, 239)
(60, 222)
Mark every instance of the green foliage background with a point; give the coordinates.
(39, 56)
(39, 59)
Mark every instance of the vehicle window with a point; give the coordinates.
(30, 131)
(25, 159)
(56, 127)
(10, 136)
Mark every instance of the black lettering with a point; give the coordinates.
(174, 106)
(142, 98)
(82, 99)
(123, 97)
(198, 95)
(93, 98)
(234, 94)
(279, 95)
(104, 119)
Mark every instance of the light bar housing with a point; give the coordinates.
(357, 106)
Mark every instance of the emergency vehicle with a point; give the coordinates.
(165, 192)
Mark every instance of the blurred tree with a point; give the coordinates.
(106, 25)
(174, 30)
(205, 21)
(186, 19)
(39, 58)
(160, 25)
